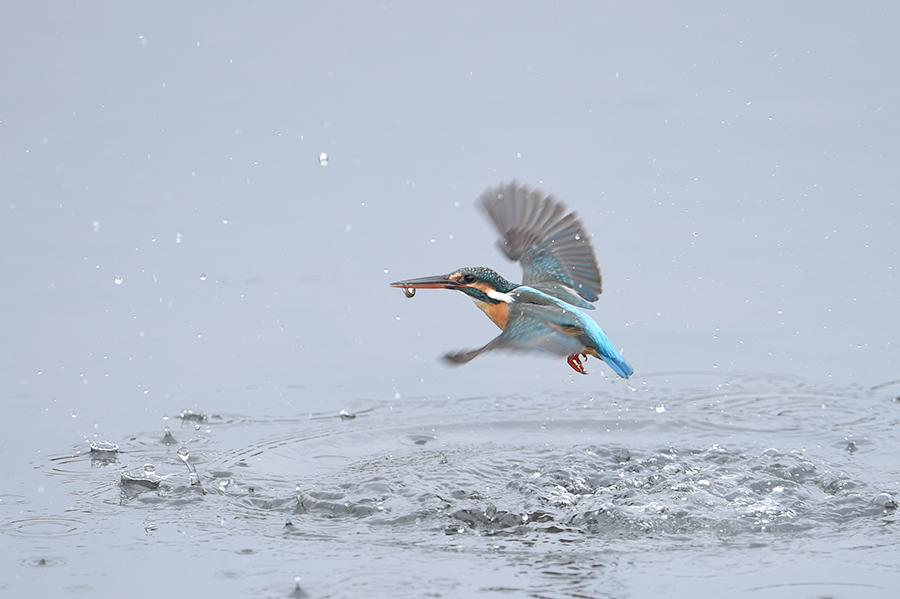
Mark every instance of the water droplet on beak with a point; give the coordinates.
(409, 291)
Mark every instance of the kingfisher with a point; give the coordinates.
(560, 280)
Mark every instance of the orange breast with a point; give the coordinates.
(498, 313)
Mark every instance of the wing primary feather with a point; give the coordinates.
(538, 231)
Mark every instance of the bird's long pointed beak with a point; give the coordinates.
(434, 282)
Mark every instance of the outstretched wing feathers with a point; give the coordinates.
(550, 243)
(531, 328)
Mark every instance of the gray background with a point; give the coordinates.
(736, 168)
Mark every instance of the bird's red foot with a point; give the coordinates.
(576, 364)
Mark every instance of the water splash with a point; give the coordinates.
(145, 476)
(103, 447)
(184, 455)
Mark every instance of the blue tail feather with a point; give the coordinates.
(620, 365)
(597, 339)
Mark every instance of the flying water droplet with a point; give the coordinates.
(203, 276)
(323, 159)
(118, 280)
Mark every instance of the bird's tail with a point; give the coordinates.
(608, 354)
(619, 364)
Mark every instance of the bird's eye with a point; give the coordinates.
(470, 278)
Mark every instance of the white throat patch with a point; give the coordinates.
(503, 297)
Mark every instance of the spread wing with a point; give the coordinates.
(531, 328)
(551, 244)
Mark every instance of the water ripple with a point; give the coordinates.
(687, 460)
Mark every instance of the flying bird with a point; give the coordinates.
(545, 313)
